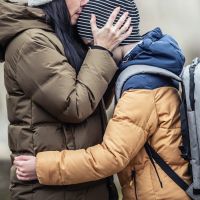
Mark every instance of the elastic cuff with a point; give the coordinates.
(101, 48)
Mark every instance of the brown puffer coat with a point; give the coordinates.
(140, 116)
(50, 107)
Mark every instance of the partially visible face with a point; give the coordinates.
(75, 8)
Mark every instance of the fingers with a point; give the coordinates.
(122, 29)
(126, 34)
(18, 163)
(112, 17)
(20, 173)
(25, 176)
(126, 26)
(20, 170)
(93, 24)
(110, 36)
(23, 157)
(121, 21)
(25, 167)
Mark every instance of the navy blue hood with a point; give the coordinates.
(158, 50)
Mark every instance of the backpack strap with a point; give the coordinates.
(185, 147)
(140, 69)
(189, 189)
(165, 167)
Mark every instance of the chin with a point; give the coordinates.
(73, 22)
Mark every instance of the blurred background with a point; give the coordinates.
(179, 18)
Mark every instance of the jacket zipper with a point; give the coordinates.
(133, 179)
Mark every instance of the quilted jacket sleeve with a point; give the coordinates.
(133, 121)
(45, 76)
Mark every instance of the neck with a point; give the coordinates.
(121, 51)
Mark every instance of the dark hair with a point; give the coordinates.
(58, 15)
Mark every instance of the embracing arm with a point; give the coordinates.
(45, 75)
(125, 135)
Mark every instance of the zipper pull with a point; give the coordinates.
(131, 183)
(132, 177)
(196, 61)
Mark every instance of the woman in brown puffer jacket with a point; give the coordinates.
(54, 94)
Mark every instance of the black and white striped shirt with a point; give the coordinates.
(102, 9)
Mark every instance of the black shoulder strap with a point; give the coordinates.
(165, 167)
(185, 148)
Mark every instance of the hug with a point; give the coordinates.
(62, 58)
